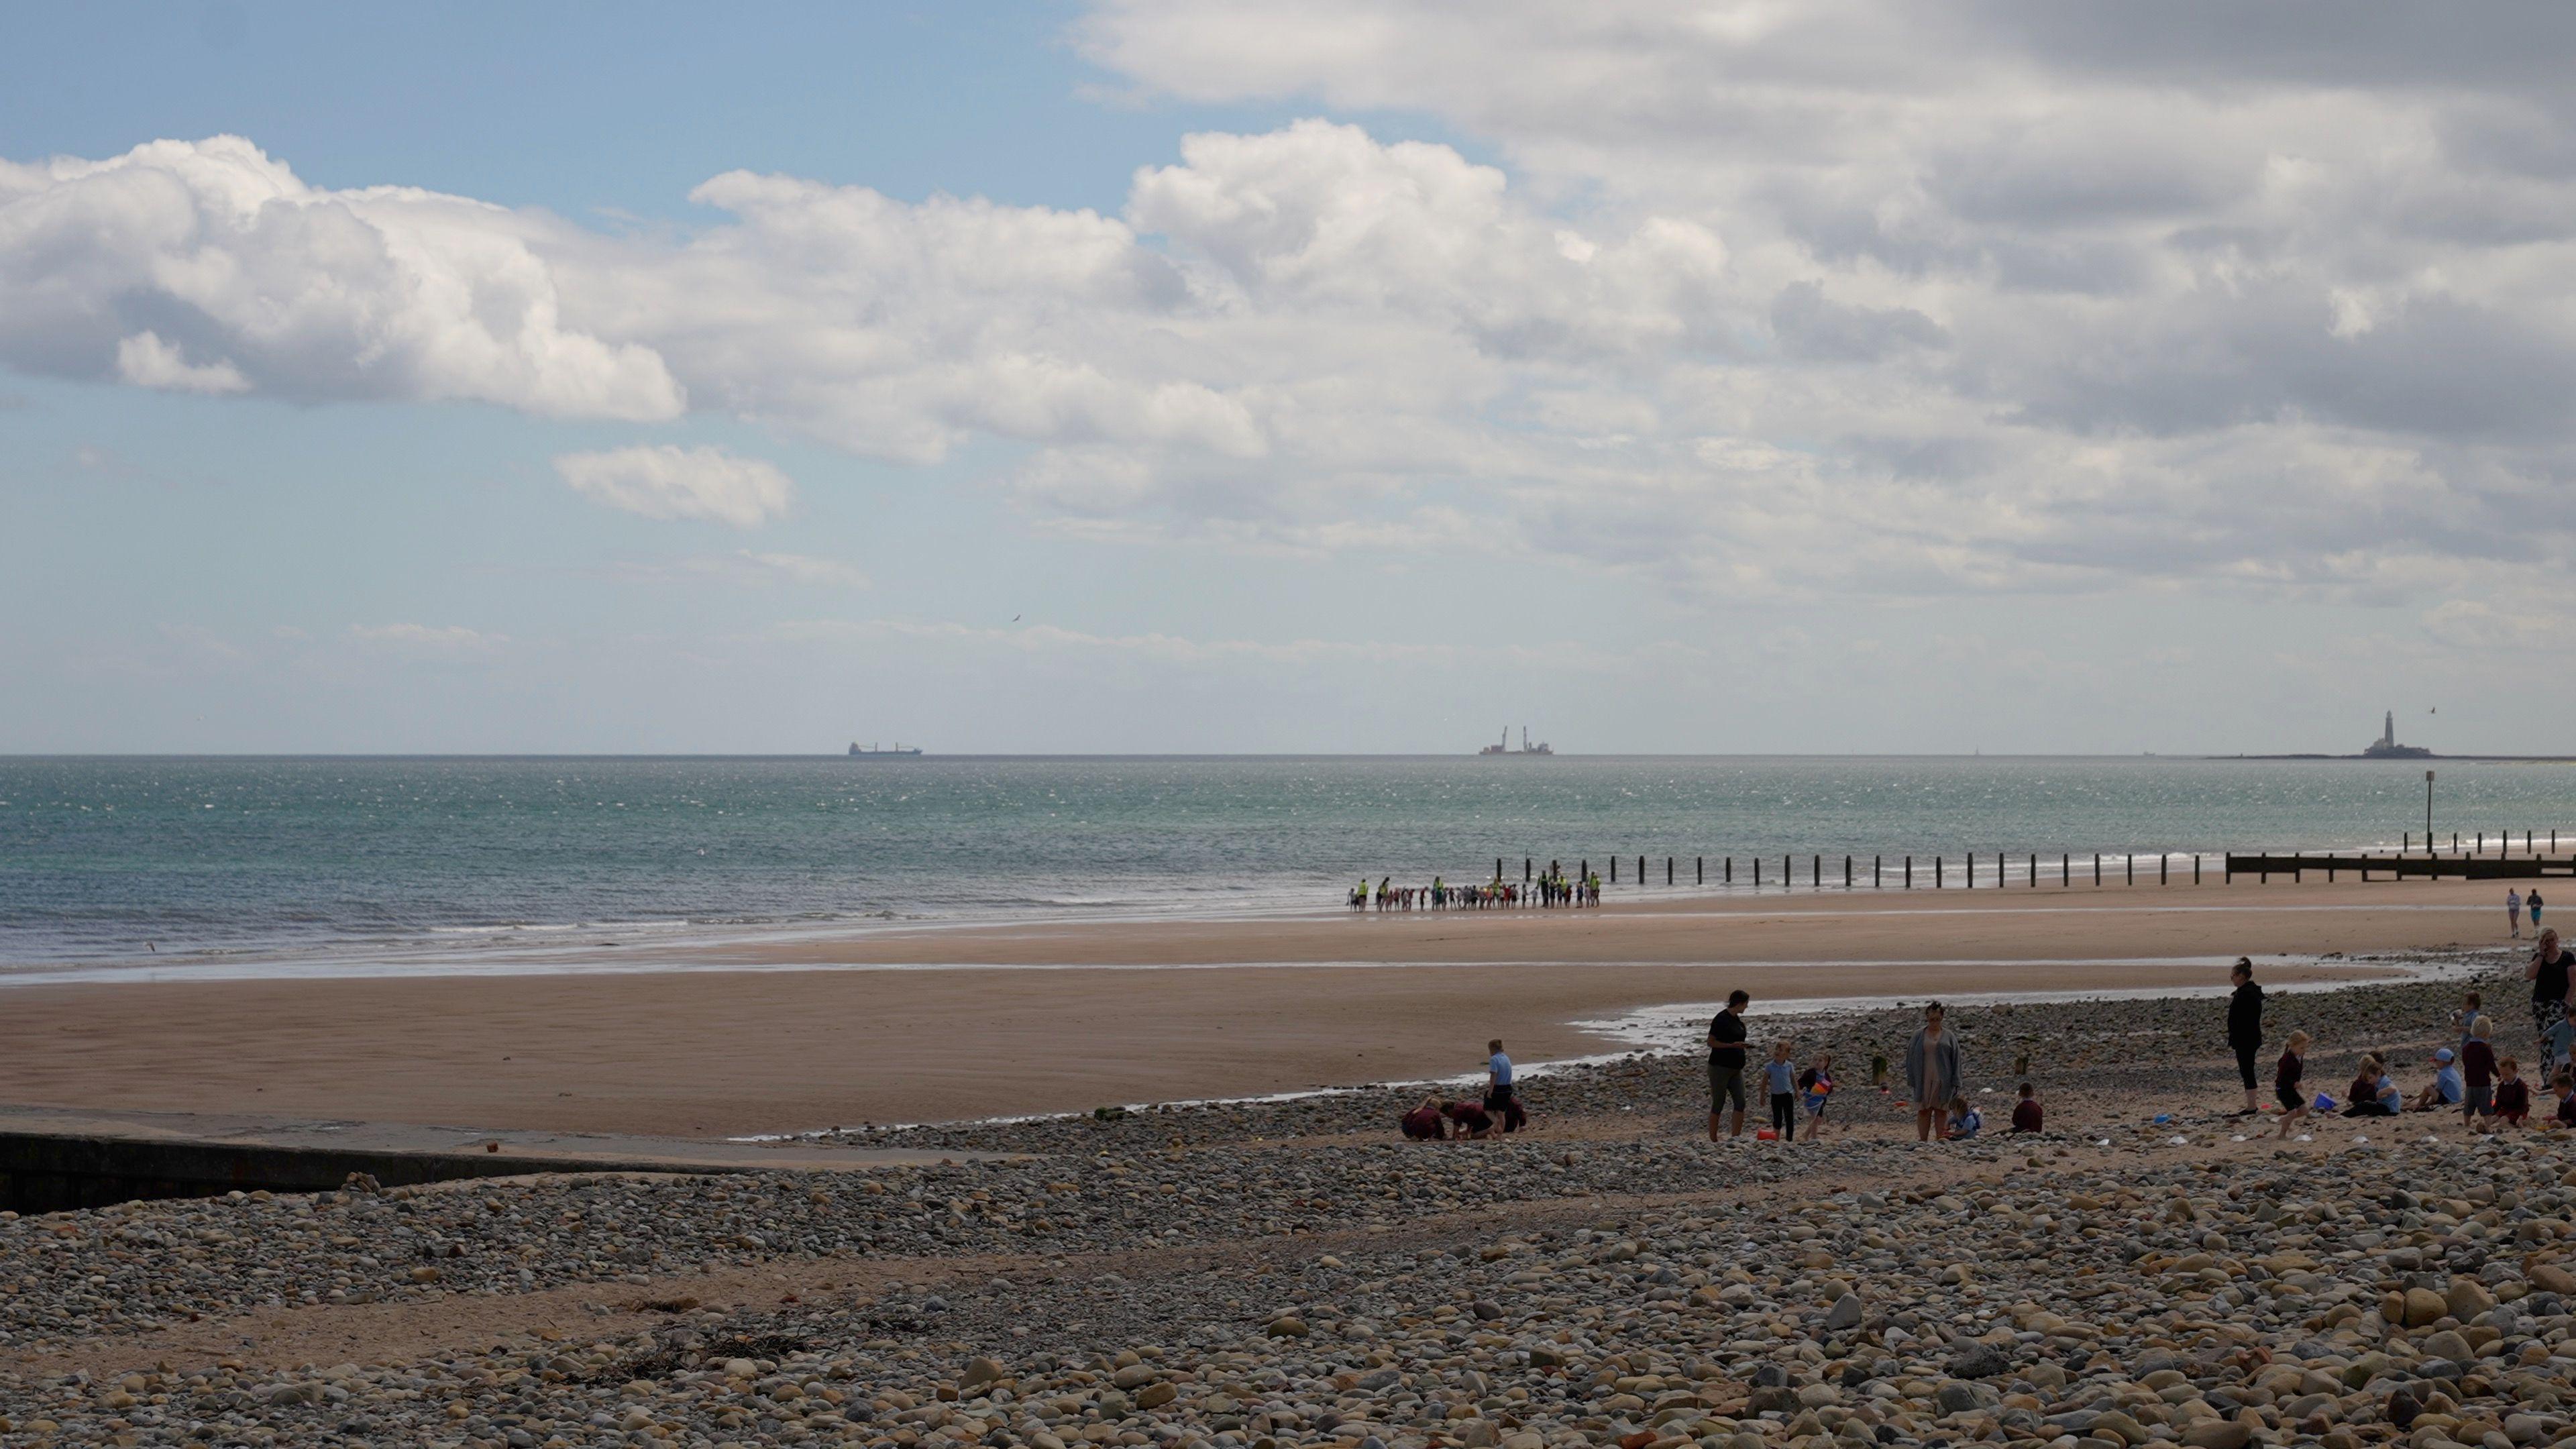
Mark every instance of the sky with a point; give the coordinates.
(2022, 376)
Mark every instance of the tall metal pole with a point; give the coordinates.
(2428, 807)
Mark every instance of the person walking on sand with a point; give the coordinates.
(1726, 1063)
(2547, 973)
(2513, 911)
(2531, 903)
(2245, 1026)
(1933, 1074)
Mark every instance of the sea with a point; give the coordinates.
(410, 862)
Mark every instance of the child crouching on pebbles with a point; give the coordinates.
(1965, 1120)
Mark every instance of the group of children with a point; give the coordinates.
(1437, 1120)
(1553, 889)
(2487, 1091)
(1803, 1095)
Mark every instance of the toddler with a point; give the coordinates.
(1782, 1074)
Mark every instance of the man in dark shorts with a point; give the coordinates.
(1726, 1063)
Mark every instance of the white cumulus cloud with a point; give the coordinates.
(1754, 299)
(146, 361)
(668, 481)
(212, 249)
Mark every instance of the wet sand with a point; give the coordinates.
(782, 1036)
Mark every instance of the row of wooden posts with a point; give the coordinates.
(2478, 842)
(1878, 867)
(1878, 870)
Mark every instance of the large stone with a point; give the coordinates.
(2450, 1345)
(2424, 1306)
(2115, 1424)
(2218, 1434)
(1845, 1313)
(2468, 1298)
(2550, 1278)
(1979, 1361)
(979, 1372)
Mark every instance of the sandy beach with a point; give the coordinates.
(803, 1033)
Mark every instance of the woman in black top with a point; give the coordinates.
(2245, 1026)
(2547, 973)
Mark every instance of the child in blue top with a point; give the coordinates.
(1965, 1121)
(1782, 1075)
(2560, 1040)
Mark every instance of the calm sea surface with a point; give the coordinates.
(343, 857)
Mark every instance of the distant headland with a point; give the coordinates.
(2386, 748)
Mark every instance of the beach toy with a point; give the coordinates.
(1765, 1134)
(2163, 1118)
(2323, 1103)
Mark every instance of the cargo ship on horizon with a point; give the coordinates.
(1505, 746)
(897, 750)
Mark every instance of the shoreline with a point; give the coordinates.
(489, 946)
(1660, 918)
(963, 1025)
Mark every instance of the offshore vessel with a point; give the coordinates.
(895, 751)
(1505, 747)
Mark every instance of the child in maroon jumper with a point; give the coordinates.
(2512, 1094)
(2026, 1112)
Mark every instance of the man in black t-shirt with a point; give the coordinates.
(1726, 1063)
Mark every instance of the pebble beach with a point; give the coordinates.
(1256, 1276)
